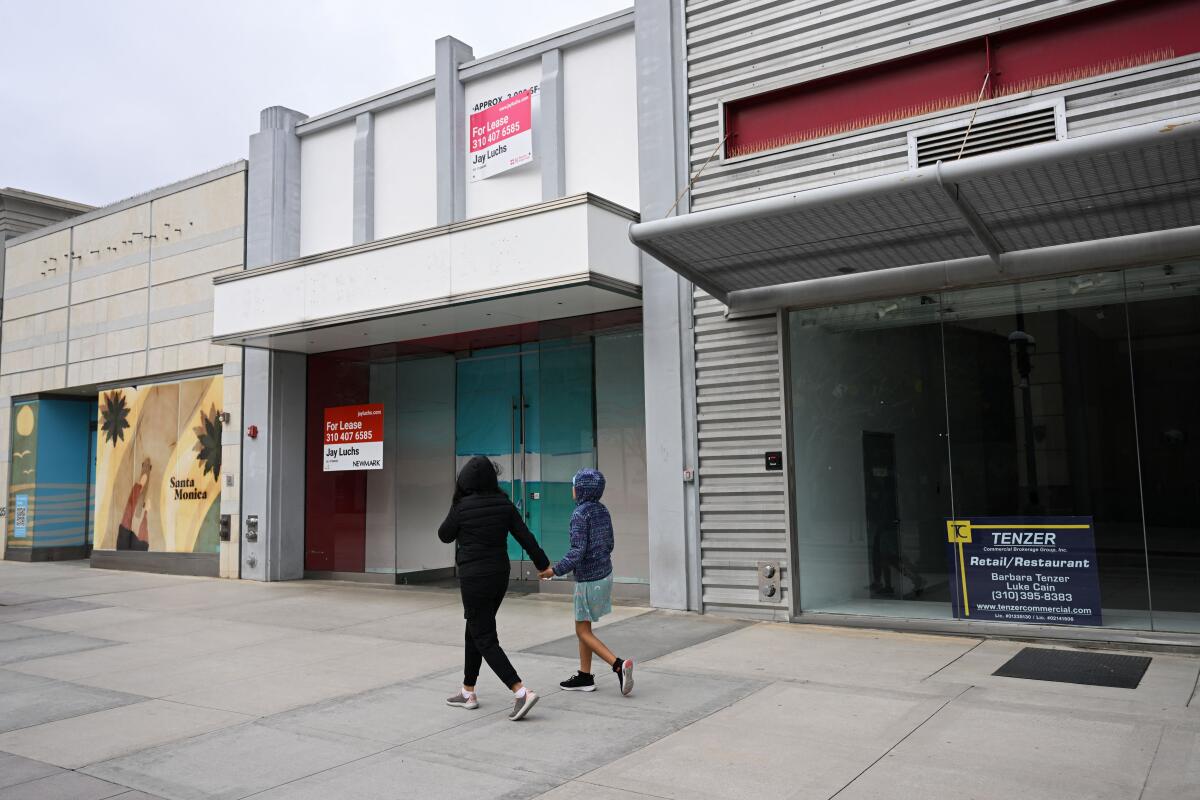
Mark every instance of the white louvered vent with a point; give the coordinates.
(989, 134)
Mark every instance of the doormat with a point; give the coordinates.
(1076, 666)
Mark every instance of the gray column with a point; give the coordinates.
(364, 178)
(273, 465)
(273, 189)
(273, 383)
(667, 312)
(551, 137)
(450, 110)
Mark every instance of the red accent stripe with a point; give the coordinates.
(1071, 47)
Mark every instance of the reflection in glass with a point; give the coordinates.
(1164, 335)
(1067, 397)
(621, 448)
(872, 489)
(1041, 418)
(525, 396)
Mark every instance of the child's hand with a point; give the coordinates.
(546, 574)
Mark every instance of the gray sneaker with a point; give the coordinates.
(625, 676)
(459, 701)
(521, 705)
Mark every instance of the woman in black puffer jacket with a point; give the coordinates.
(481, 518)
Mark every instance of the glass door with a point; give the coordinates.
(562, 439)
(422, 429)
(490, 417)
(529, 408)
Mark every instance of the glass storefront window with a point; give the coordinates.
(872, 476)
(1041, 419)
(1072, 397)
(541, 401)
(1164, 342)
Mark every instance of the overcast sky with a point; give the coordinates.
(103, 99)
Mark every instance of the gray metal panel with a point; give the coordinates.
(740, 411)
(273, 478)
(1155, 248)
(673, 539)
(553, 134)
(450, 120)
(256, 462)
(741, 47)
(1139, 179)
(364, 178)
(273, 189)
(288, 441)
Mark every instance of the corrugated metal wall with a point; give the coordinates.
(743, 508)
(739, 47)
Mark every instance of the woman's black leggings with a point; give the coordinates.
(481, 598)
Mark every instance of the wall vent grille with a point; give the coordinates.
(986, 135)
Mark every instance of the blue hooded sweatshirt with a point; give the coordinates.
(591, 531)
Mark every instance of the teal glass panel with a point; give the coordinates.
(566, 441)
(488, 386)
(487, 418)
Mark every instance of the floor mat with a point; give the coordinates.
(1075, 666)
(647, 636)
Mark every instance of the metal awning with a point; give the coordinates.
(1128, 197)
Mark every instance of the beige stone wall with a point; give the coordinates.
(125, 297)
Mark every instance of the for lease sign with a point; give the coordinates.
(354, 437)
(1038, 570)
(501, 136)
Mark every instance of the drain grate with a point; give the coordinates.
(1075, 666)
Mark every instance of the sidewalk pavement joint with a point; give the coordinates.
(310, 690)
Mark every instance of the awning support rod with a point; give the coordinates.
(970, 216)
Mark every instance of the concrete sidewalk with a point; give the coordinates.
(138, 686)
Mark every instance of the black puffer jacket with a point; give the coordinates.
(480, 519)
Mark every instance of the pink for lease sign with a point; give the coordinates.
(502, 136)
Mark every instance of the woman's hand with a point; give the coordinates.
(546, 574)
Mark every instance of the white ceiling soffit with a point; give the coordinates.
(1130, 186)
(542, 306)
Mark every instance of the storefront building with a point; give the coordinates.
(113, 400)
(437, 272)
(944, 329)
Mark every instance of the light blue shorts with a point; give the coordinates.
(593, 599)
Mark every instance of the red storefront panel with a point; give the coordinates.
(1094, 42)
(335, 502)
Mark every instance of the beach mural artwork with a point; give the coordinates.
(23, 475)
(158, 467)
(48, 489)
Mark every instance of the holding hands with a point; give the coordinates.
(546, 574)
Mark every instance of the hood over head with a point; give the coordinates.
(478, 476)
(589, 485)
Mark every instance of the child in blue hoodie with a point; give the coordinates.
(589, 557)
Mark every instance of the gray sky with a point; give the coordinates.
(102, 99)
